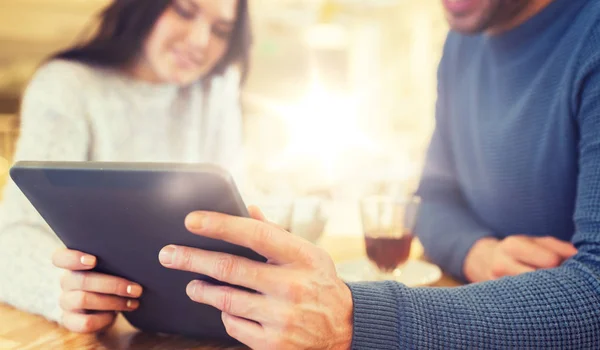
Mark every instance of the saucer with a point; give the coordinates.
(413, 273)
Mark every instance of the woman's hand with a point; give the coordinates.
(91, 300)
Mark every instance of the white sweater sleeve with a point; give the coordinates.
(53, 127)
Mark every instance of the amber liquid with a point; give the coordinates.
(388, 252)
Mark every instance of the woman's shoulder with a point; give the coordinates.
(57, 85)
(62, 73)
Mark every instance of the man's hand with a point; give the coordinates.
(300, 302)
(490, 258)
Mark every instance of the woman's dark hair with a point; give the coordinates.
(125, 25)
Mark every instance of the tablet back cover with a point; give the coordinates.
(125, 214)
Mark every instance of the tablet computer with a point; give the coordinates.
(124, 214)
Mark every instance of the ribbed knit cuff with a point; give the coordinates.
(376, 324)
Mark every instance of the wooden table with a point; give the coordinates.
(19, 330)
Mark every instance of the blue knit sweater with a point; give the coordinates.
(516, 150)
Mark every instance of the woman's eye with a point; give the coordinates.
(182, 11)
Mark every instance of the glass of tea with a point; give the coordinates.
(388, 224)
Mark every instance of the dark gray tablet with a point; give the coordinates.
(125, 213)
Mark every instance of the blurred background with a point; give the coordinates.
(339, 102)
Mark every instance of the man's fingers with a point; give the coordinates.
(233, 301)
(223, 267)
(565, 249)
(246, 332)
(80, 300)
(88, 323)
(528, 252)
(267, 240)
(73, 260)
(100, 283)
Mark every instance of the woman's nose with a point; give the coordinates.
(199, 34)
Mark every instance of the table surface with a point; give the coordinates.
(19, 330)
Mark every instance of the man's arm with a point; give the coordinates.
(554, 309)
(309, 306)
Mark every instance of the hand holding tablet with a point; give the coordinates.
(123, 214)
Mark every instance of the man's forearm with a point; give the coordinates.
(514, 312)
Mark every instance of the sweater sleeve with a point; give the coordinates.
(547, 309)
(446, 226)
(52, 128)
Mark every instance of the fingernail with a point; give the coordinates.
(88, 260)
(166, 255)
(134, 290)
(196, 220)
(132, 304)
(191, 288)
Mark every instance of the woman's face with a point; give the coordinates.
(187, 41)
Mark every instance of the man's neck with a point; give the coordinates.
(532, 8)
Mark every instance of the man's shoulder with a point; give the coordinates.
(590, 11)
(587, 25)
(583, 40)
